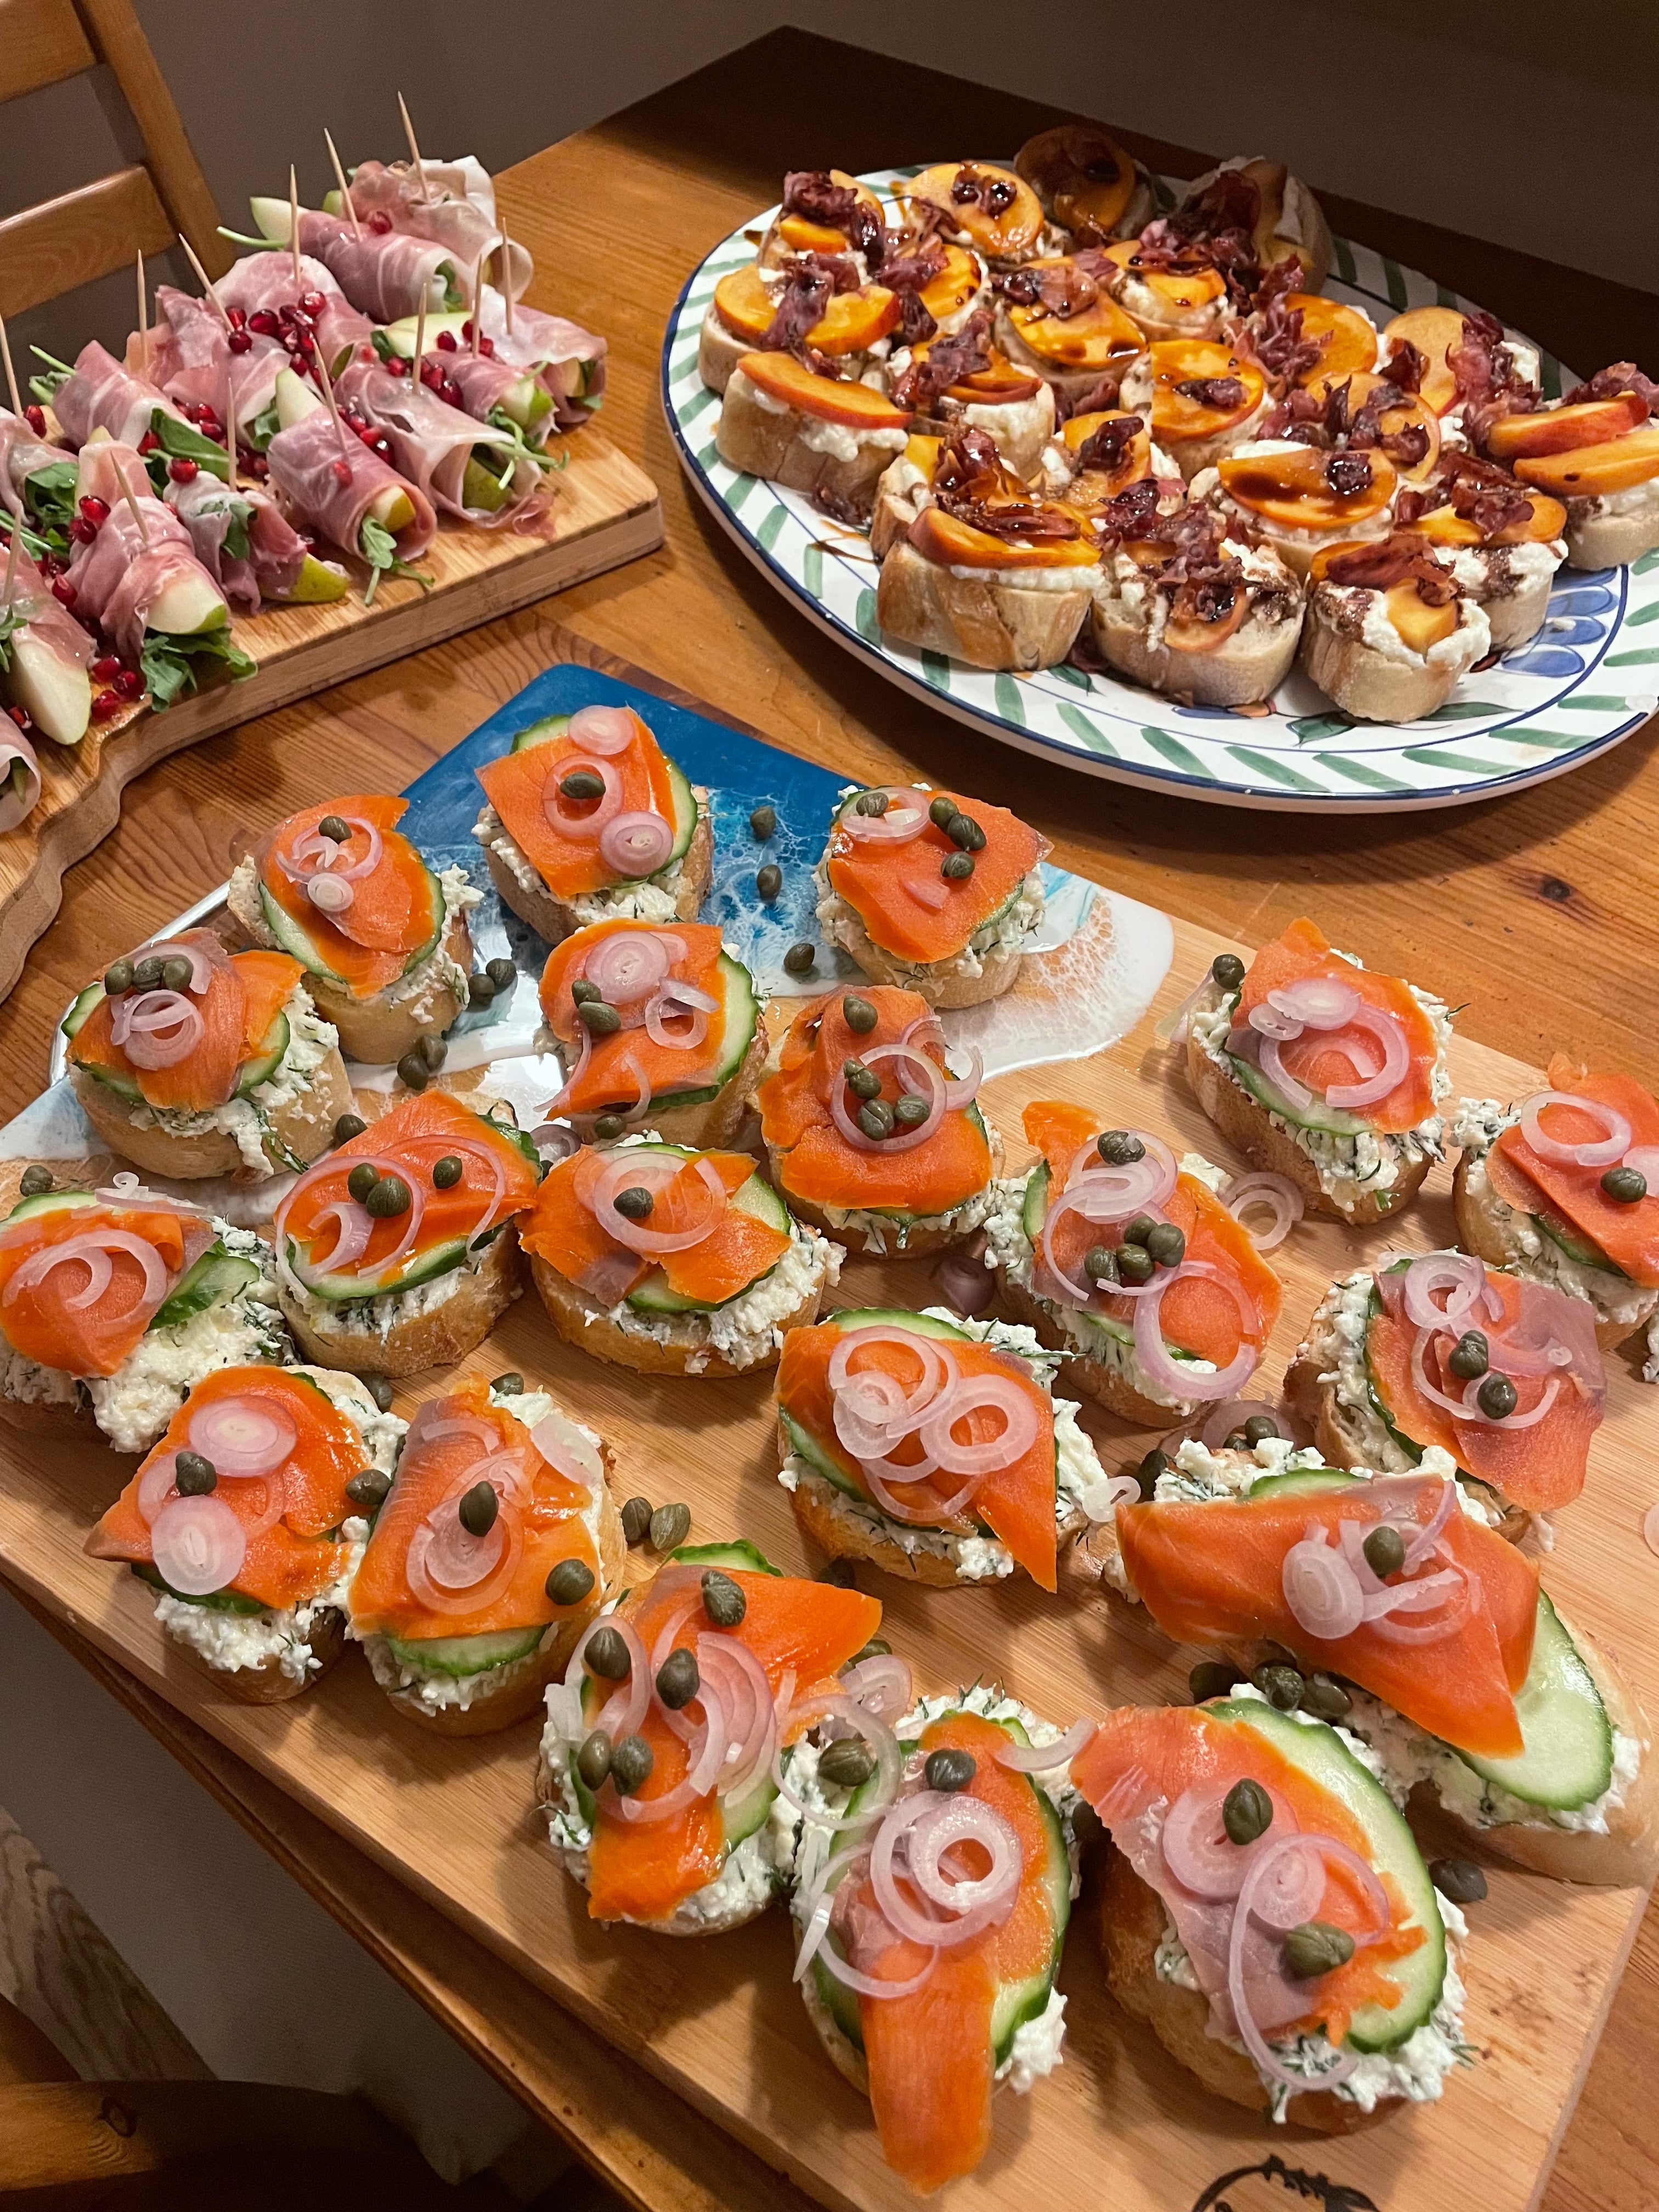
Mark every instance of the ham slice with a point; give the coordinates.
(386, 274)
(483, 381)
(267, 281)
(189, 359)
(432, 442)
(21, 453)
(118, 578)
(457, 211)
(209, 512)
(567, 360)
(331, 486)
(103, 395)
(45, 617)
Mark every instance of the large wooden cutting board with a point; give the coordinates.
(606, 510)
(718, 2020)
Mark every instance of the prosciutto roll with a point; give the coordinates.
(20, 778)
(189, 358)
(386, 273)
(265, 282)
(333, 487)
(432, 444)
(457, 211)
(567, 360)
(242, 538)
(45, 655)
(37, 481)
(100, 394)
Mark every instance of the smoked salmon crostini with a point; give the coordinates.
(1561, 1189)
(673, 1262)
(586, 819)
(1089, 186)
(1323, 1071)
(933, 1446)
(928, 896)
(666, 1755)
(1128, 1262)
(248, 1518)
(120, 1300)
(930, 1982)
(1503, 1374)
(1392, 1606)
(191, 1060)
(495, 1544)
(868, 1133)
(1389, 630)
(825, 435)
(382, 937)
(400, 1250)
(1267, 1913)
(657, 1027)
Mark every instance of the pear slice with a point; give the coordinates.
(294, 398)
(270, 218)
(401, 335)
(55, 692)
(319, 583)
(186, 605)
(393, 509)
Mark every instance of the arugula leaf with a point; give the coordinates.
(12, 619)
(499, 419)
(49, 495)
(380, 549)
(169, 663)
(44, 386)
(34, 545)
(382, 344)
(237, 530)
(262, 430)
(182, 442)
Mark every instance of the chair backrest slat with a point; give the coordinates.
(50, 249)
(41, 43)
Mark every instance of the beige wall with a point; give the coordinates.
(1472, 117)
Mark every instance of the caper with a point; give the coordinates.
(768, 882)
(478, 1508)
(380, 1389)
(433, 1051)
(413, 1070)
(146, 972)
(858, 1014)
(586, 993)
(117, 977)
(942, 811)
(1120, 1148)
(631, 1763)
(1468, 1357)
(1099, 1266)
(957, 868)
(35, 1181)
(1280, 1686)
(508, 1385)
(636, 1520)
(863, 1081)
(1325, 1698)
(363, 1180)
(875, 803)
(1315, 1948)
(723, 1600)
(582, 783)
(1259, 1428)
(176, 972)
(593, 1760)
(838, 1573)
(368, 1489)
(1247, 1812)
(1235, 1441)
(502, 972)
(1496, 1397)
(1147, 1470)
(608, 1126)
(348, 1126)
(1461, 1880)
(570, 1582)
(1626, 1185)
(965, 833)
(910, 1112)
(634, 1204)
(950, 1769)
(876, 1648)
(445, 1172)
(670, 1526)
(194, 1476)
(678, 1679)
(479, 989)
(1228, 970)
(875, 1118)
(846, 1764)
(1140, 1229)
(1134, 1263)
(388, 1199)
(1167, 1244)
(598, 1019)
(335, 826)
(1211, 1678)
(1385, 1550)
(762, 823)
(798, 959)
(605, 1653)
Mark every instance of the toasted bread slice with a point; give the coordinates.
(266, 1683)
(1248, 667)
(838, 1529)
(1096, 1378)
(989, 622)
(428, 1334)
(550, 917)
(660, 1344)
(1377, 686)
(302, 1126)
(1597, 540)
(961, 980)
(766, 440)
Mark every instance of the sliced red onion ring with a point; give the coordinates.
(586, 827)
(92, 1248)
(1296, 1094)
(626, 965)
(655, 1172)
(1177, 1377)
(606, 731)
(931, 891)
(159, 1482)
(1600, 1152)
(451, 1571)
(934, 1923)
(1420, 1543)
(999, 1393)
(1317, 1002)
(197, 1546)
(1197, 1849)
(964, 1820)
(737, 1676)
(1644, 1158)
(354, 1226)
(1387, 1031)
(314, 854)
(1464, 1281)
(248, 1434)
(906, 817)
(966, 1284)
(1276, 1192)
(881, 1686)
(1322, 1589)
(882, 1788)
(1473, 1411)
(867, 1985)
(629, 1065)
(706, 1755)
(1256, 1887)
(1272, 1022)
(22, 794)
(960, 1090)
(630, 1700)
(687, 1009)
(560, 1102)
(816, 1924)
(1045, 1757)
(636, 843)
(331, 894)
(156, 1029)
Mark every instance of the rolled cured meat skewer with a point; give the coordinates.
(338, 487)
(467, 468)
(386, 273)
(37, 481)
(193, 354)
(20, 777)
(263, 287)
(457, 210)
(45, 655)
(101, 393)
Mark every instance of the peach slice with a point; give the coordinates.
(1592, 470)
(1410, 410)
(1565, 429)
(1093, 338)
(1433, 331)
(949, 293)
(922, 452)
(1095, 486)
(1179, 292)
(1006, 235)
(1000, 384)
(781, 376)
(957, 544)
(1177, 415)
(1083, 177)
(852, 323)
(801, 235)
(1443, 526)
(1347, 343)
(1418, 623)
(1195, 636)
(1293, 489)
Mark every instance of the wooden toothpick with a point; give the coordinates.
(137, 512)
(419, 337)
(144, 315)
(414, 149)
(328, 394)
(230, 427)
(206, 283)
(477, 304)
(11, 374)
(294, 226)
(507, 280)
(349, 211)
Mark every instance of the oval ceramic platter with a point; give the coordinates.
(1587, 680)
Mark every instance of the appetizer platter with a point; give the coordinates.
(972, 1525)
(262, 498)
(1160, 479)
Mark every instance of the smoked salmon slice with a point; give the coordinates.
(817, 1163)
(930, 2055)
(523, 787)
(371, 942)
(246, 992)
(1016, 1502)
(562, 1229)
(1320, 1058)
(1629, 1235)
(297, 1558)
(1214, 1574)
(41, 1318)
(894, 888)
(629, 1063)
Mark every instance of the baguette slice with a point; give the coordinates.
(304, 1127)
(550, 917)
(764, 439)
(988, 622)
(438, 1337)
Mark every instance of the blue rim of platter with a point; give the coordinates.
(1307, 758)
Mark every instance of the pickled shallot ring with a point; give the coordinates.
(630, 1700)
(1386, 1030)
(880, 1684)
(1230, 1414)
(581, 829)
(1318, 1002)
(882, 1786)
(1322, 1589)
(973, 1394)
(1261, 1867)
(1459, 1275)
(92, 1248)
(656, 1172)
(1423, 1540)
(197, 1546)
(1277, 1192)
(606, 731)
(1197, 1849)
(330, 894)
(560, 1102)
(1596, 1153)
(1279, 1076)
(637, 843)
(629, 1065)
(626, 965)
(327, 854)
(1179, 1379)
(815, 1924)
(869, 1985)
(904, 817)
(246, 1435)
(1047, 1757)
(913, 1822)
(960, 1090)
(156, 1029)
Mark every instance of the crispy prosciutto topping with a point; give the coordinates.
(814, 195)
(1332, 418)
(966, 352)
(1623, 376)
(1407, 366)
(1107, 444)
(1480, 491)
(1221, 392)
(971, 482)
(1386, 561)
(1279, 343)
(1061, 289)
(1489, 382)
(973, 186)
(1347, 474)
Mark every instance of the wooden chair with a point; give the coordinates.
(160, 195)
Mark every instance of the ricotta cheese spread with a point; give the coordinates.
(248, 1120)
(1008, 931)
(653, 899)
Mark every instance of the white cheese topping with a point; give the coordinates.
(247, 1120)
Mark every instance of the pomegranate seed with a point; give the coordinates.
(81, 530)
(63, 592)
(367, 432)
(312, 303)
(264, 321)
(398, 366)
(236, 317)
(380, 223)
(451, 393)
(446, 339)
(431, 375)
(342, 472)
(106, 704)
(291, 342)
(380, 444)
(182, 471)
(20, 715)
(487, 347)
(149, 442)
(239, 341)
(106, 667)
(36, 419)
(128, 684)
(257, 466)
(94, 510)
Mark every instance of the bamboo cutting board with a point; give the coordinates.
(718, 2021)
(606, 510)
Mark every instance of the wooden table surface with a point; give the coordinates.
(1539, 912)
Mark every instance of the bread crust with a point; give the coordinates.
(581, 1321)
(986, 623)
(1132, 1924)
(266, 1684)
(1364, 682)
(1478, 1232)
(764, 443)
(1074, 383)
(553, 920)
(1248, 667)
(1609, 541)
(437, 1338)
(1514, 616)
(845, 1535)
(305, 1125)
(1096, 1378)
(943, 985)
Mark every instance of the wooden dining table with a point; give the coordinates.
(1538, 911)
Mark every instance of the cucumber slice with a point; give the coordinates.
(293, 936)
(685, 804)
(217, 1277)
(755, 1198)
(1568, 1760)
(461, 1655)
(1584, 1250)
(1035, 1210)
(739, 1556)
(1315, 1115)
(742, 1012)
(215, 1601)
(50, 1201)
(1301, 1480)
(266, 1061)
(351, 1290)
(739, 1820)
(1321, 1754)
(74, 1021)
